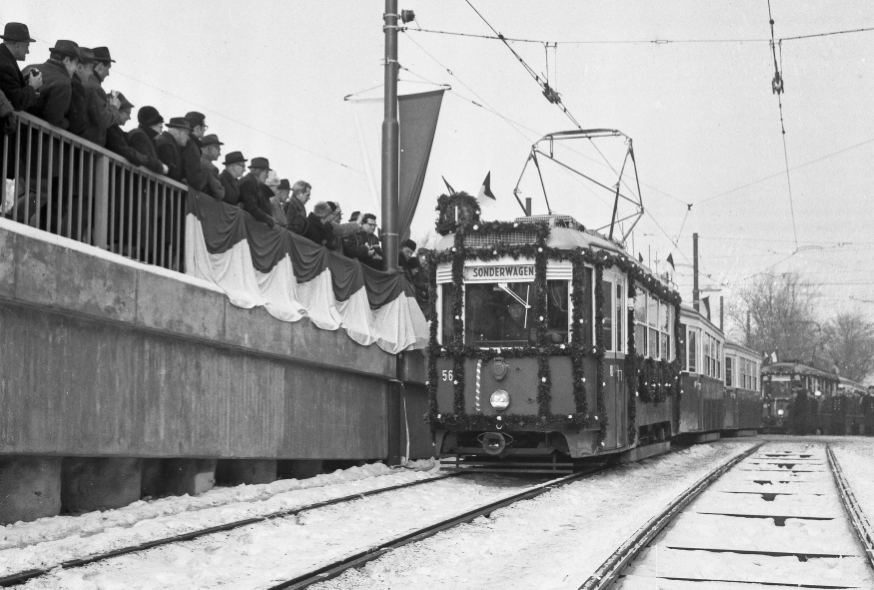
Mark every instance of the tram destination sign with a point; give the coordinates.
(515, 272)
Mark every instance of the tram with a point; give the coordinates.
(536, 329)
(778, 381)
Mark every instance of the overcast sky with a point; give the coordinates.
(271, 76)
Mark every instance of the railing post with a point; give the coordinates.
(101, 200)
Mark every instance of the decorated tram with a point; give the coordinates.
(534, 340)
(781, 382)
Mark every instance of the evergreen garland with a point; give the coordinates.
(447, 205)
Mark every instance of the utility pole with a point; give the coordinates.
(390, 139)
(696, 294)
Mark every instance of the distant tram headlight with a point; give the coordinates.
(500, 400)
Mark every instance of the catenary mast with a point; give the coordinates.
(390, 142)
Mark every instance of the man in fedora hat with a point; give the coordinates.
(117, 139)
(53, 103)
(211, 149)
(16, 46)
(251, 198)
(169, 147)
(78, 113)
(102, 109)
(192, 153)
(235, 166)
(142, 139)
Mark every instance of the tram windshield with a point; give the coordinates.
(502, 314)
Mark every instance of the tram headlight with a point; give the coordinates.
(500, 399)
(779, 412)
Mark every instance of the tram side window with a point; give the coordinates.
(718, 360)
(728, 363)
(665, 339)
(653, 321)
(755, 386)
(681, 348)
(620, 316)
(607, 313)
(588, 309)
(640, 321)
(448, 325)
(693, 351)
(557, 311)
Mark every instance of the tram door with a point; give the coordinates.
(615, 337)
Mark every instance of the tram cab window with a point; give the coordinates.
(448, 324)
(607, 313)
(692, 340)
(499, 314)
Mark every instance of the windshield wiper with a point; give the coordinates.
(513, 294)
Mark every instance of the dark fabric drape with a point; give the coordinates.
(417, 118)
(224, 226)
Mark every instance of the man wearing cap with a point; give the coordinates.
(277, 202)
(142, 139)
(15, 47)
(53, 102)
(192, 153)
(295, 210)
(211, 150)
(235, 166)
(169, 147)
(117, 139)
(251, 197)
(102, 109)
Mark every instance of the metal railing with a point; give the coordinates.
(65, 185)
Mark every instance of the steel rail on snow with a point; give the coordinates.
(607, 573)
(22, 577)
(863, 528)
(359, 559)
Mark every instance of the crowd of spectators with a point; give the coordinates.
(67, 92)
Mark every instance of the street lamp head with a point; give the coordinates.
(407, 16)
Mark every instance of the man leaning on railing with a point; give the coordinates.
(20, 93)
(53, 103)
(169, 146)
(142, 139)
(102, 109)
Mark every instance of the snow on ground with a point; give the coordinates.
(855, 455)
(554, 541)
(266, 553)
(48, 541)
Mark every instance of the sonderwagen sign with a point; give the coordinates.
(513, 272)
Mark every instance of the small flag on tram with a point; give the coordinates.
(774, 357)
(448, 186)
(486, 189)
(640, 257)
(671, 261)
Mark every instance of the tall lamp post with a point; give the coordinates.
(390, 134)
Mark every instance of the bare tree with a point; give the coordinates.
(849, 341)
(778, 313)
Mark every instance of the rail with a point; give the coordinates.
(70, 187)
(863, 529)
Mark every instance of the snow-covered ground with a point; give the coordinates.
(553, 541)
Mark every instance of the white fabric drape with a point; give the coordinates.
(399, 325)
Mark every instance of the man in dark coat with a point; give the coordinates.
(192, 152)
(295, 211)
(16, 45)
(21, 94)
(211, 149)
(102, 109)
(53, 102)
(318, 229)
(169, 147)
(235, 166)
(364, 245)
(117, 139)
(251, 197)
(142, 139)
(78, 113)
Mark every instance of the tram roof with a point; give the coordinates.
(795, 367)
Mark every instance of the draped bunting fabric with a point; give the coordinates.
(417, 118)
(292, 277)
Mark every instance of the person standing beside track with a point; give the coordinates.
(800, 409)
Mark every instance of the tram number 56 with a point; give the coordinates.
(447, 375)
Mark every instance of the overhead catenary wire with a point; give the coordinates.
(551, 95)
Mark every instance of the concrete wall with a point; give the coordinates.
(106, 357)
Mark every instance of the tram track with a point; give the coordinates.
(776, 487)
(359, 559)
(21, 577)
